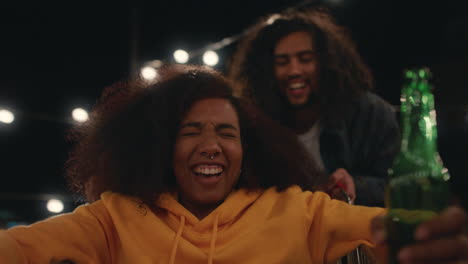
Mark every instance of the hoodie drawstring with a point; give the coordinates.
(177, 238)
(179, 234)
(213, 240)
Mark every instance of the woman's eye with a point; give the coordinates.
(189, 133)
(230, 135)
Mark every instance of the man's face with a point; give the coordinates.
(296, 67)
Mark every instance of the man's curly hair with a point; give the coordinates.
(342, 75)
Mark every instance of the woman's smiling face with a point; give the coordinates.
(207, 154)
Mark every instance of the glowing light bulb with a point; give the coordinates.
(149, 73)
(181, 56)
(210, 58)
(55, 206)
(6, 116)
(80, 115)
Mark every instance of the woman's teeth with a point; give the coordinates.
(208, 170)
(295, 86)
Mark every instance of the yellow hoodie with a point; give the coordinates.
(249, 227)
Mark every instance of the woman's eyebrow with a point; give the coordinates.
(225, 125)
(191, 124)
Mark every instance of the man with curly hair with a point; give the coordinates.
(303, 70)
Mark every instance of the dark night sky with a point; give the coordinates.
(52, 60)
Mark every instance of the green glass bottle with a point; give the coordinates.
(418, 187)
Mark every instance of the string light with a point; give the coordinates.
(155, 64)
(148, 73)
(80, 115)
(210, 58)
(6, 116)
(181, 56)
(55, 206)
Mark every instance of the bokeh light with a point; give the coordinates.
(155, 64)
(6, 116)
(181, 56)
(55, 206)
(80, 115)
(149, 73)
(210, 58)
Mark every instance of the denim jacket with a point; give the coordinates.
(364, 142)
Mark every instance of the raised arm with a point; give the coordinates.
(337, 227)
(79, 237)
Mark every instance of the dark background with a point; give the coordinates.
(52, 60)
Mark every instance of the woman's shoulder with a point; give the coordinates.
(109, 204)
(117, 202)
(296, 194)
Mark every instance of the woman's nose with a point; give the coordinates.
(209, 146)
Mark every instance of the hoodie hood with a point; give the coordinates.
(236, 202)
(189, 225)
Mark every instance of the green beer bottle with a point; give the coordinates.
(418, 187)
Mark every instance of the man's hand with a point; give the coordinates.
(442, 239)
(341, 179)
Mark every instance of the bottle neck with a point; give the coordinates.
(418, 119)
